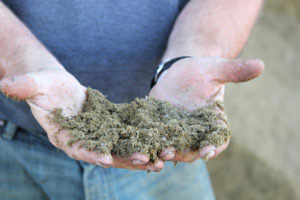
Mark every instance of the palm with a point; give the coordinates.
(45, 91)
(55, 89)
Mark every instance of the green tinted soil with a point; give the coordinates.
(145, 126)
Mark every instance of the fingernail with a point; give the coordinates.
(209, 155)
(163, 153)
(102, 164)
(206, 151)
(104, 161)
(137, 162)
(169, 156)
(250, 62)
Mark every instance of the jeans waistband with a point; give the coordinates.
(8, 129)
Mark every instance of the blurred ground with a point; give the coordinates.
(263, 162)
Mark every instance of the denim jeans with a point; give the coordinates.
(31, 168)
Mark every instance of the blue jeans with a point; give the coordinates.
(31, 168)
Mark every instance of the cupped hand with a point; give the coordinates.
(196, 82)
(48, 89)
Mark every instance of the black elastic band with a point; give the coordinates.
(163, 67)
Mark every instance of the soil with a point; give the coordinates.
(145, 126)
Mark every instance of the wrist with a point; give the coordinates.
(27, 59)
(163, 67)
(178, 49)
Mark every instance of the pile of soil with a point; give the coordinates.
(145, 126)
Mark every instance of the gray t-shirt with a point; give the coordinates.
(110, 45)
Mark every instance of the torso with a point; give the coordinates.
(109, 46)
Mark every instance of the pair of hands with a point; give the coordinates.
(188, 84)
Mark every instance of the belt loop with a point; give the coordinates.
(9, 130)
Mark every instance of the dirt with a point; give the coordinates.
(145, 126)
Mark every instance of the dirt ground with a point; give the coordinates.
(263, 162)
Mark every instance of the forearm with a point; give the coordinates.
(20, 50)
(212, 28)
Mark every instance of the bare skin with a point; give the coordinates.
(28, 71)
(213, 33)
(47, 90)
(201, 85)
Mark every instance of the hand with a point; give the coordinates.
(195, 82)
(48, 89)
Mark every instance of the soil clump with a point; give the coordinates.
(145, 126)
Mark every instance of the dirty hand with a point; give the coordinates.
(48, 89)
(195, 82)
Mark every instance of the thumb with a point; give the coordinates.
(239, 70)
(19, 87)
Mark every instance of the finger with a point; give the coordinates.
(211, 151)
(221, 148)
(139, 159)
(19, 87)
(77, 152)
(186, 157)
(167, 154)
(60, 138)
(239, 70)
(157, 166)
(125, 163)
(207, 152)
